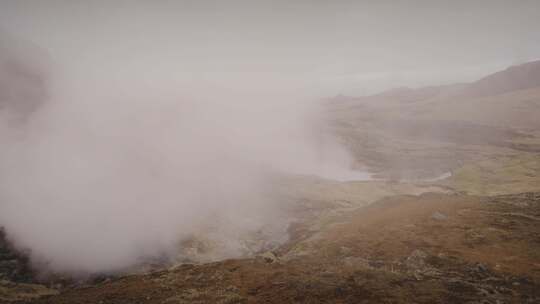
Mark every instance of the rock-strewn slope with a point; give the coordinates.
(477, 240)
(16, 277)
(432, 248)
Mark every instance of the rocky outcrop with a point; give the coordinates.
(17, 280)
(14, 266)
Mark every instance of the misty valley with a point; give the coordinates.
(259, 152)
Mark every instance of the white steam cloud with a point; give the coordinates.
(101, 169)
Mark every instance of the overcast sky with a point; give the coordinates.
(324, 47)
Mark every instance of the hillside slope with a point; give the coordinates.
(404, 134)
(454, 217)
(431, 248)
(514, 78)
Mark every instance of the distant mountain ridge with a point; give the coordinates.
(514, 78)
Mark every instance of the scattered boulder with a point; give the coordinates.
(417, 260)
(438, 216)
(14, 266)
(357, 262)
(269, 257)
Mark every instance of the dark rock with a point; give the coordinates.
(14, 266)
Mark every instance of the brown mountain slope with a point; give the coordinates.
(432, 248)
(514, 78)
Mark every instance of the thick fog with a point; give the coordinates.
(352, 47)
(128, 126)
(98, 172)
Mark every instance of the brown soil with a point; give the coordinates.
(432, 248)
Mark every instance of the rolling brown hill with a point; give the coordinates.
(515, 78)
(518, 77)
